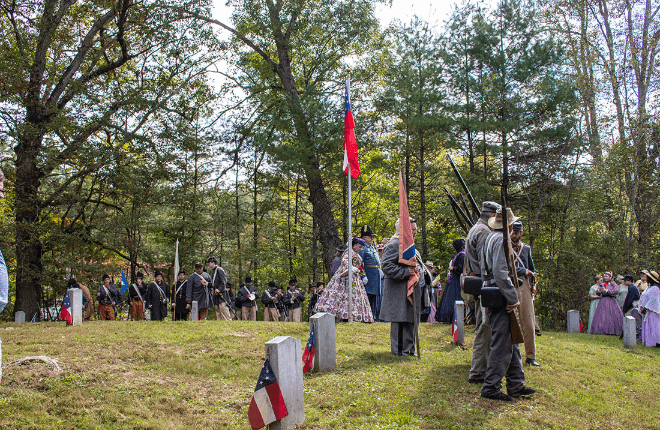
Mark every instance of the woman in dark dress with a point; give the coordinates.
(453, 290)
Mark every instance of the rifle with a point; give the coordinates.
(467, 211)
(458, 218)
(454, 204)
(475, 207)
(516, 332)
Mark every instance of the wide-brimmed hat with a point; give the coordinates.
(496, 221)
(429, 263)
(652, 274)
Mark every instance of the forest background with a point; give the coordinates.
(128, 125)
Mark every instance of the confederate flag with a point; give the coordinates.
(267, 404)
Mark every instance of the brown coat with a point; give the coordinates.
(88, 311)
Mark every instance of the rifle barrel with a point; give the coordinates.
(458, 208)
(458, 218)
(475, 207)
(465, 206)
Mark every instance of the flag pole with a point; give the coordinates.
(350, 234)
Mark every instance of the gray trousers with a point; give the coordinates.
(402, 338)
(504, 358)
(482, 340)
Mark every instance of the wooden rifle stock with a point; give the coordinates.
(516, 332)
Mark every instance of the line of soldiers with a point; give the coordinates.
(208, 289)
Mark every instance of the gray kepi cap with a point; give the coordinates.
(489, 208)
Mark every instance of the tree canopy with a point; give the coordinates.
(127, 126)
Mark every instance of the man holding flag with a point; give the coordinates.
(402, 289)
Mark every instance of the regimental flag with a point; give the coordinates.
(406, 239)
(34, 318)
(124, 282)
(350, 143)
(267, 404)
(310, 350)
(454, 328)
(65, 310)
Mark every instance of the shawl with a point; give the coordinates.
(651, 299)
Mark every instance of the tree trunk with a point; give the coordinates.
(328, 232)
(28, 211)
(238, 225)
(467, 114)
(315, 258)
(422, 197)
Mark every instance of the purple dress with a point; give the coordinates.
(608, 318)
(650, 300)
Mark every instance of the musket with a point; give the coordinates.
(465, 206)
(516, 332)
(458, 208)
(475, 207)
(458, 218)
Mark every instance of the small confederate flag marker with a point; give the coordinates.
(267, 404)
(310, 350)
(454, 329)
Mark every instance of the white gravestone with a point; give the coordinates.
(325, 357)
(459, 309)
(629, 332)
(19, 317)
(194, 312)
(285, 355)
(75, 296)
(573, 321)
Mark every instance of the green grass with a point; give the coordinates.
(147, 375)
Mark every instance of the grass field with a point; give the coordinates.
(148, 375)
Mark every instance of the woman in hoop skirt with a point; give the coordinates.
(334, 299)
(608, 318)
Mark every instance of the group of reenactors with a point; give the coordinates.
(494, 355)
(210, 289)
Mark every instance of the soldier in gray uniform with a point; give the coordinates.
(474, 243)
(198, 289)
(395, 307)
(504, 358)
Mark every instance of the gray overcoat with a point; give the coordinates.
(395, 306)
